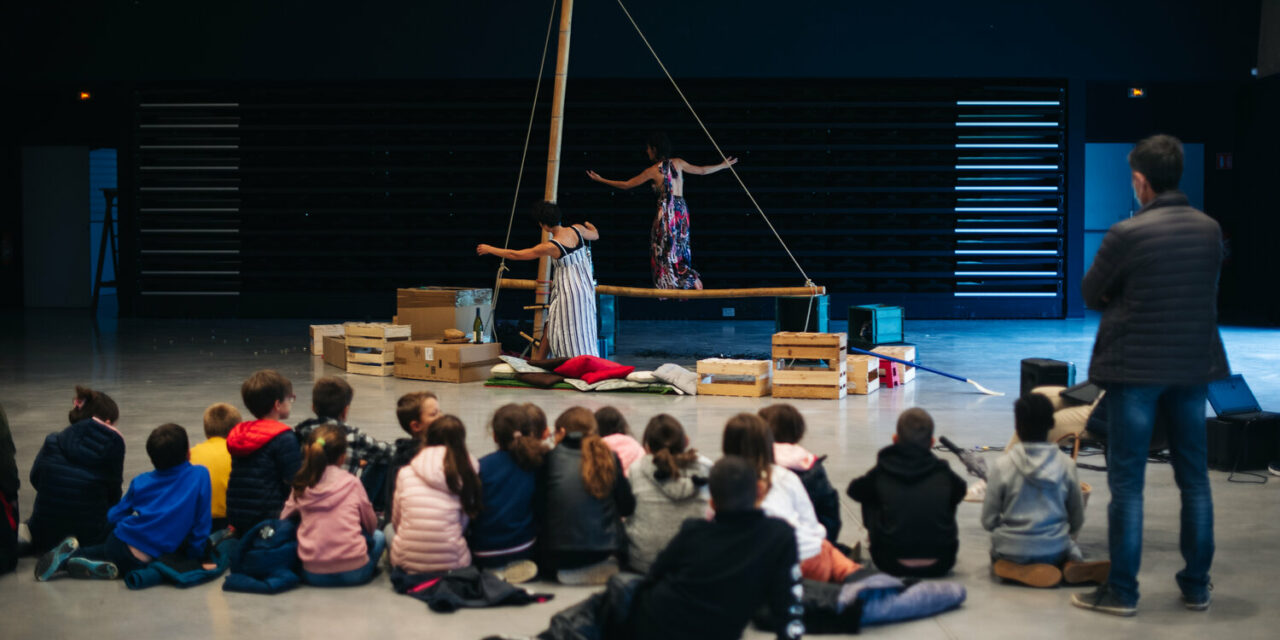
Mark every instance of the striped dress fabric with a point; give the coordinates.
(571, 322)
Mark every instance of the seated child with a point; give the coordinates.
(616, 433)
(78, 474)
(415, 411)
(1034, 507)
(265, 455)
(164, 511)
(338, 540)
(788, 428)
(670, 486)
(909, 503)
(366, 458)
(746, 435)
(502, 537)
(212, 454)
(8, 498)
(583, 497)
(437, 495)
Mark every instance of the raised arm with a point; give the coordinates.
(651, 173)
(703, 170)
(589, 231)
(532, 253)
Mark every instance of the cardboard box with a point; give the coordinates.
(432, 360)
(318, 333)
(431, 310)
(335, 351)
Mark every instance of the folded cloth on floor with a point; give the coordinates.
(592, 369)
(521, 366)
(578, 385)
(540, 380)
(502, 370)
(266, 560)
(642, 376)
(679, 377)
(467, 587)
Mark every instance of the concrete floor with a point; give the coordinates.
(162, 371)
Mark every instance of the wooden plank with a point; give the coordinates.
(683, 294)
(806, 391)
(810, 377)
(377, 357)
(831, 364)
(725, 366)
(381, 344)
(382, 370)
(808, 353)
(797, 338)
(377, 330)
(757, 388)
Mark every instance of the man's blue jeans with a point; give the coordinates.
(1131, 413)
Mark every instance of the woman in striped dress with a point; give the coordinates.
(571, 318)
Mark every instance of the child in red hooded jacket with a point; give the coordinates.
(265, 455)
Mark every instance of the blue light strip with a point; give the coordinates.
(1052, 274)
(1006, 124)
(1007, 103)
(1006, 230)
(1006, 145)
(1040, 167)
(1007, 294)
(1007, 209)
(995, 188)
(1006, 252)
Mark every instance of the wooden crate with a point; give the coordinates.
(902, 352)
(335, 352)
(319, 332)
(809, 365)
(738, 378)
(371, 347)
(864, 373)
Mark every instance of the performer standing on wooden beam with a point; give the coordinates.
(571, 316)
(669, 256)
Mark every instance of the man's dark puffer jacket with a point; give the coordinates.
(265, 456)
(78, 476)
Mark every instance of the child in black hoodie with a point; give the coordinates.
(909, 503)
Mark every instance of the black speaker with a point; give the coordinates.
(1038, 372)
(1241, 444)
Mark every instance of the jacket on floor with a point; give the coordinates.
(1155, 280)
(573, 519)
(77, 475)
(266, 559)
(1034, 504)
(788, 501)
(813, 475)
(715, 574)
(506, 524)
(429, 520)
(662, 506)
(336, 516)
(165, 510)
(909, 504)
(265, 456)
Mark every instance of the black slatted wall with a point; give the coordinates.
(945, 196)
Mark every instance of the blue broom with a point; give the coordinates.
(929, 369)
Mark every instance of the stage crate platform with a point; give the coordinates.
(371, 347)
(810, 365)
(738, 378)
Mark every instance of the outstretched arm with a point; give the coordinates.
(532, 253)
(589, 231)
(648, 174)
(704, 170)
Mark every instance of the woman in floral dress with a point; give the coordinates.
(669, 256)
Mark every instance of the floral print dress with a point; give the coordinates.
(669, 256)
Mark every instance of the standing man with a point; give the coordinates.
(1155, 279)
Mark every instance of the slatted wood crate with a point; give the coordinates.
(319, 332)
(371, 347)
(864, 374)
(809, 365)
(739, 378)
(902, 352)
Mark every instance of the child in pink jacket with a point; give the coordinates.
(338, 538)
(437, 494)
(616, 433)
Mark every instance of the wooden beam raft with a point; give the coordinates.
(682, 294)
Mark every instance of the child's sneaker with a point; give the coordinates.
(1041, 576)
(592, 574)
(518, 572)
(1082, 572)
(52, 562)
(1103, 600)
(87, 569)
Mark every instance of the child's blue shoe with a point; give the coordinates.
(51, 562)
(87, 569)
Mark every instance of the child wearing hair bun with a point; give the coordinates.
(338, 538)
(670, 486)
(503, 535)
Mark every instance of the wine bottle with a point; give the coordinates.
(479, 327)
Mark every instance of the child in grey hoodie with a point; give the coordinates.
(1034, 507)
(670, 486)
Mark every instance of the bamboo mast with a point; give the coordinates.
(553, 155)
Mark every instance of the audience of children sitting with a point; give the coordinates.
(503, 535)
(669, 484)
(1034, 506)
(339, 543)
(437, 495)
(583, 497)
(212, 454)
(164, 511)
(614, 430)
(788, 428)
(909, 503)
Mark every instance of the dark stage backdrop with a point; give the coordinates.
(945, 196)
